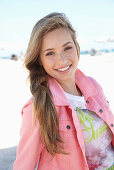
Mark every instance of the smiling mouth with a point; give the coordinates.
(63, 69)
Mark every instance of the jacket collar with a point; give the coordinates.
(83, 82)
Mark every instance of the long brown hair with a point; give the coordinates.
(44, 108)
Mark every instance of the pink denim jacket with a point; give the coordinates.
(31, 149)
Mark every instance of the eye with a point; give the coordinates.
(50, 53)
(67, 48)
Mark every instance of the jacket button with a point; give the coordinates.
(112, 125)
(68, 126)
(100, 110)
(87, 101)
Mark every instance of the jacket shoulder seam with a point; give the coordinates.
(29, 102)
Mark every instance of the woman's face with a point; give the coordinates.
(59, 55)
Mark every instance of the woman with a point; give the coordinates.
(67, 124)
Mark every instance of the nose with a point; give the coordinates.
(61, 57)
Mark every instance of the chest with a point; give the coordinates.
(67, 115)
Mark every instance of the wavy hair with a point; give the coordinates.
(44, 108)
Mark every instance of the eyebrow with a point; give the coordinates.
(49, 49)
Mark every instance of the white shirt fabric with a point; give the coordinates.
(97, 136)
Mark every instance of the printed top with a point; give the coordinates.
(97, 136)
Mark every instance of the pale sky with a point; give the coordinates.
(92, 19)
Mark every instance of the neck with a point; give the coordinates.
(71, 88)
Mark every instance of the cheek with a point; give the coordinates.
(47, 65)
(74, 56)
(48, 61)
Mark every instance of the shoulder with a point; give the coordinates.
(99, 89)
(27, 113)
(28, 123)
(95, 83)
(27, 105)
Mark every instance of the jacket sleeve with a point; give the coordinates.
(30, 145)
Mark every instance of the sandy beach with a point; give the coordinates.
(14, 92)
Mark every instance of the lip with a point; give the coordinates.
(63, 68)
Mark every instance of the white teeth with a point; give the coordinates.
(63, 69)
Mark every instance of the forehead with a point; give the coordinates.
(56, 38)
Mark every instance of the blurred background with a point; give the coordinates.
(94, 24)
